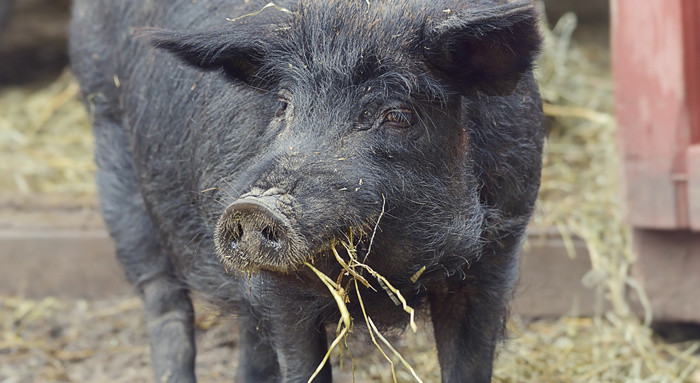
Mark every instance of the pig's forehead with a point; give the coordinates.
(386, 26)
(355, 43)
(352, 42)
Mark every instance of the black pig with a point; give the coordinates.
(255, 137)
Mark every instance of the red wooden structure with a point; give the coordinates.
(656, 66)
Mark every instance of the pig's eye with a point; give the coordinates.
(399, 118)
(282, 106)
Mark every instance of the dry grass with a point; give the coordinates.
(592, 350)
(45, 141)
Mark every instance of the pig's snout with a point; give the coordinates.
(250, 225)
(253, 233)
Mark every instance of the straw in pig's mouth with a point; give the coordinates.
(354, 269)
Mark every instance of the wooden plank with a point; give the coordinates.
(60, 263)
(78, 262)
(667, 266)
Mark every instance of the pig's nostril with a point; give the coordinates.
(234, 236)
(270, 238)
(269, 234)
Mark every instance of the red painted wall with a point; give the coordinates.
(656, 66)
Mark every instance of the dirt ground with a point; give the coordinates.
(79, 341)
(105, 341)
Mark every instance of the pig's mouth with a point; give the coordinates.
(257, 232)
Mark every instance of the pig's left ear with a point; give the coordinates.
(487, 49)
(237, 54)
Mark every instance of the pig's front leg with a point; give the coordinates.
(167, 305)
(169, 319)
(290, 322)
(469, 317)
(301, 347)
(257, 362)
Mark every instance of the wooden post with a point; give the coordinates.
(651, 109)
(656, 66)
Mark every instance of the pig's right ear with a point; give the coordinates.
(485, 50)
(240, 57)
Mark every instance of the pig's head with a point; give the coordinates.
(367, 138)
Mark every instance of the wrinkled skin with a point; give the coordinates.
(334, 118)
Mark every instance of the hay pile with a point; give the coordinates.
(45, 142)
